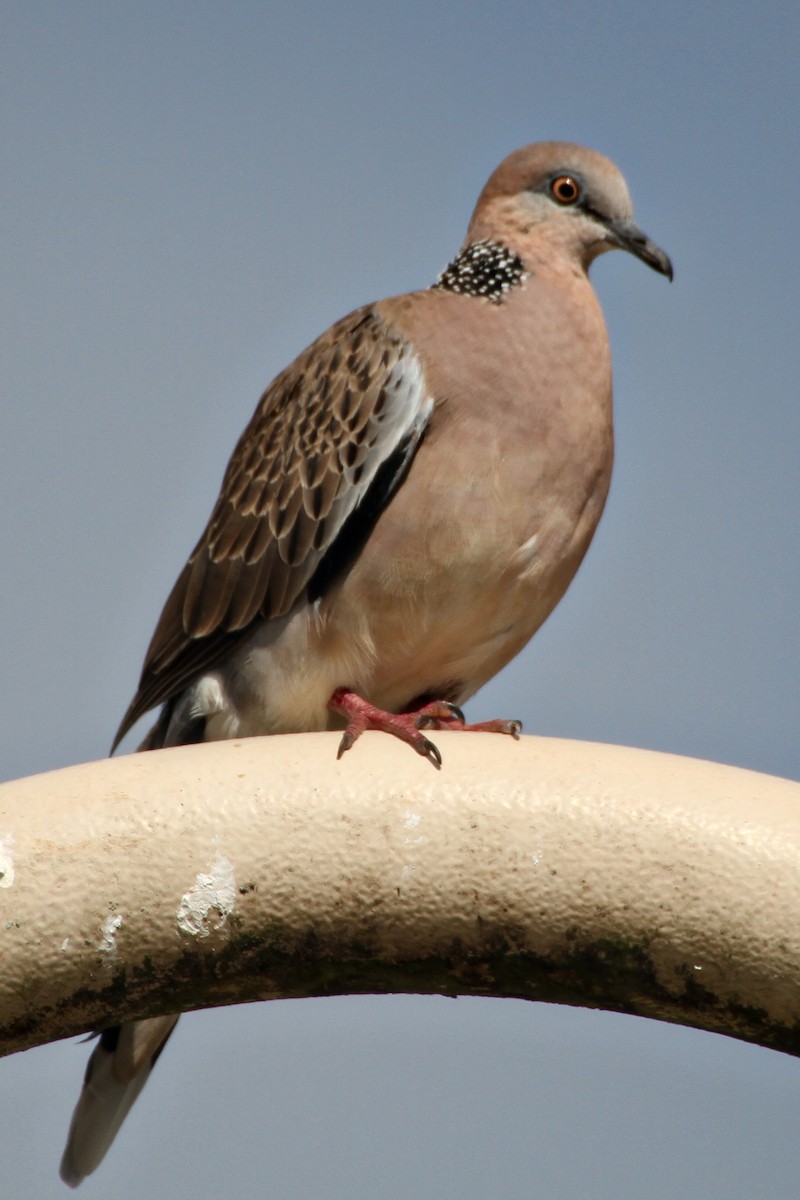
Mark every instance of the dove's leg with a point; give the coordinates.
(436, 714)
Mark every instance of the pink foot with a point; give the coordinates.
(439, 714)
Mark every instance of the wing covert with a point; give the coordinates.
(350, 409)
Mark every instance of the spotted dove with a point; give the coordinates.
(409, 502)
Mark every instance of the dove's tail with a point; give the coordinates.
(117, 1071)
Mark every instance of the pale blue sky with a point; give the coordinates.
(193, 192)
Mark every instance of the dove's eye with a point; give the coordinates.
(565, 189)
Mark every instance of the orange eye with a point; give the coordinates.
(565, 189)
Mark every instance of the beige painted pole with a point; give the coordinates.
(548, 870)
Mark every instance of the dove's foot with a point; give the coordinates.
(438, 714)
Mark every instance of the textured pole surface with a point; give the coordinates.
(546, 870)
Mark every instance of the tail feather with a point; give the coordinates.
(116, 1072)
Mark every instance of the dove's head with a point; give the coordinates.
(562, 197)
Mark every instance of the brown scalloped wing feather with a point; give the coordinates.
(315, 442)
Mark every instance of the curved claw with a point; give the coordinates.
(429, 751)
(439, 714)
(346, 742)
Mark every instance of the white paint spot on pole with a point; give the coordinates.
(6, 861)
(208, 904)
(108, 943)
(412, 820)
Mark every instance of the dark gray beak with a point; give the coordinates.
(629, 237)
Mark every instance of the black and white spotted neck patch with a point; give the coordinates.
(484, 268)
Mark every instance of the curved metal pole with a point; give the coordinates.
(546, 870)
